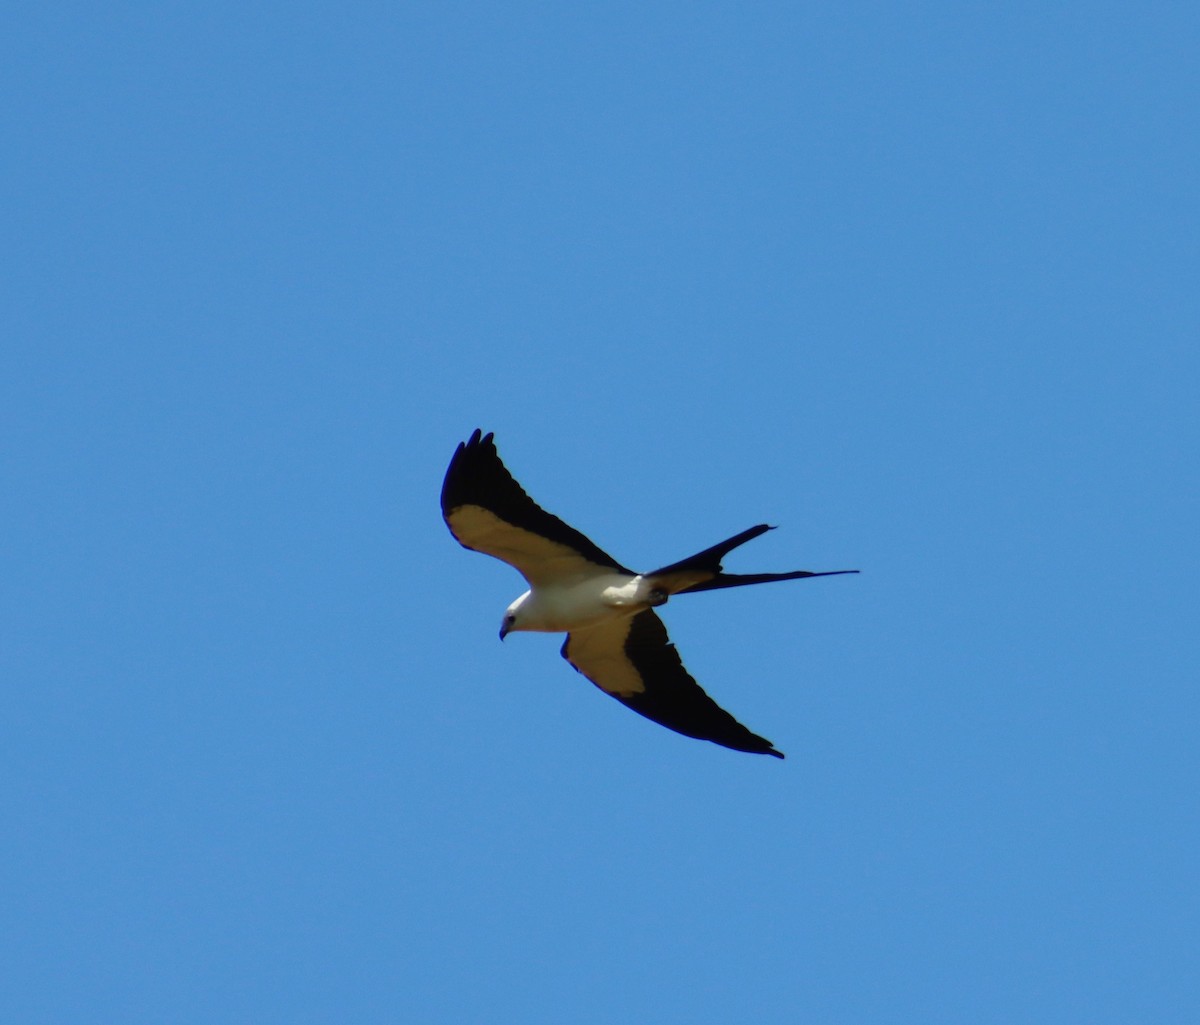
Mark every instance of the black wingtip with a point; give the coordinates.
(775, 754)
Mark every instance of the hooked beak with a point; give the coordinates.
(503, 631)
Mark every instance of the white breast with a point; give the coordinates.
(566, 607)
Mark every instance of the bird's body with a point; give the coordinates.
(613, 635)
(577, 603)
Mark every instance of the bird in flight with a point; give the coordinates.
(614, 636)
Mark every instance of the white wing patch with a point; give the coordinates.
(538, 559)
(599, 653)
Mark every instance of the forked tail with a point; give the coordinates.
(702, 571)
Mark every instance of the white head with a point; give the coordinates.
(512, 616)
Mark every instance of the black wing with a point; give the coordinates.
(487, 511)
(632, 659)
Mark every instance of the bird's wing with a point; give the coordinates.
(487, 511)
(632, 659)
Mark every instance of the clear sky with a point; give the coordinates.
(918, 283)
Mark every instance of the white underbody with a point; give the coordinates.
(560, 608)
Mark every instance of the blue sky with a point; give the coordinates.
(916, 283)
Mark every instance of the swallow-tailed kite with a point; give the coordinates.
(613, 635)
